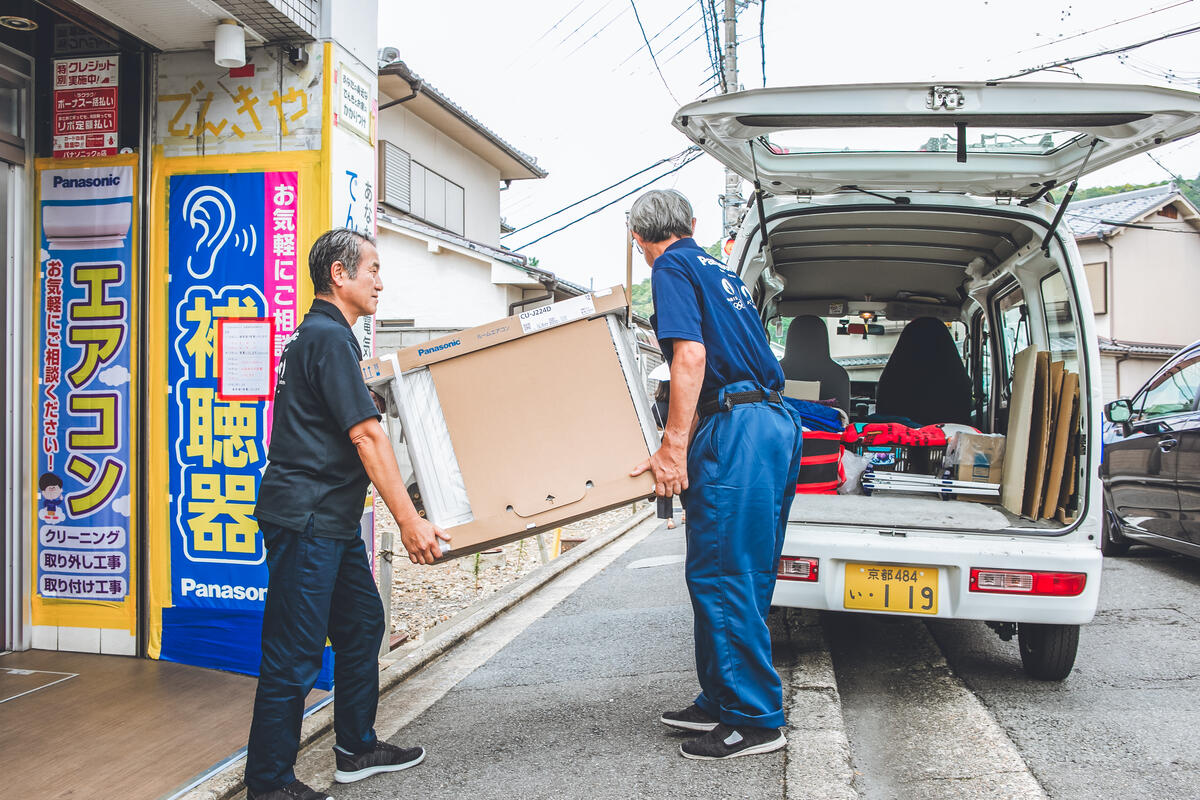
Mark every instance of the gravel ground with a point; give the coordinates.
(423, 596)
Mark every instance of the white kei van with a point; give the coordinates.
(885, 203)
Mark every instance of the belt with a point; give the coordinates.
(737, 398)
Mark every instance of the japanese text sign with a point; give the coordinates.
(85, 106)
(232, 244)
(83, 447)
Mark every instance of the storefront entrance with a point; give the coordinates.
(15, 286)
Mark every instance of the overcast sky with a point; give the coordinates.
(570, 83)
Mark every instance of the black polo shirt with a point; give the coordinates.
(313, 470)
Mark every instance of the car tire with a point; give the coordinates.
(1048, 651)
(1112, 543)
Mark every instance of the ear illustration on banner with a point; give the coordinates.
(210, 210)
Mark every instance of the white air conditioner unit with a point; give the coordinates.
(98, 227)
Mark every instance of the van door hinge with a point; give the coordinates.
(1004, 198)
(949, 98)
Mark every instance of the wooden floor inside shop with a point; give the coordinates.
(77, 725)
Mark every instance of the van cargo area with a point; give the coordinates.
(866, 271)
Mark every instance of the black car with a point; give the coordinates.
(1151, 462)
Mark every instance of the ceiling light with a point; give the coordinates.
(18, 23)
(229, 45)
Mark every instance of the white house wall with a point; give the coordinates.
(1153, 271)
(438, 152)
(443, 290)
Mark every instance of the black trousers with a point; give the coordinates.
(319, 588)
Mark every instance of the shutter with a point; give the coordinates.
(396, 179)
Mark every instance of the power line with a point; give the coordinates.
(661, 31)
(681, 50)
(561, 19)
(1113, 24)
(1135, 225)
(680, 154)
(1067, 61)
(1174, 177)
(651, 50)
(679, 36)
(601, 30)
(585, 22)
(687, 161)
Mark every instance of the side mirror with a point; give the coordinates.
(1119, 411)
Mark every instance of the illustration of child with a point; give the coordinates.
(50, 489)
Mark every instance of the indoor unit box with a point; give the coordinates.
(521, 425)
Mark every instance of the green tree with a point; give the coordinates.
(1189, 189)
(643, 302)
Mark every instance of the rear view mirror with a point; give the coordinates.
(1119, 411)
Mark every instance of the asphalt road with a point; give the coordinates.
(943, 709)
(1123, 724)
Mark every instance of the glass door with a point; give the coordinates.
(15, 283)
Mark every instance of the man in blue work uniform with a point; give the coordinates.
(732, 448)
(326, 444)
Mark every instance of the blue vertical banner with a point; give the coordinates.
(232, 245)
(83, 442)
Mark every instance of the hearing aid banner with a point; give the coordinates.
(83, 435)
(232, 261)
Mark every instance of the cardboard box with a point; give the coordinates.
(976, 457)
(521, 425)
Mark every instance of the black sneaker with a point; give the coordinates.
(296, 790)
(384, 758)
(691, 718)
(726, 742)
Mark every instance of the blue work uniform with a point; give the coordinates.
(742, 466)
(309, 505)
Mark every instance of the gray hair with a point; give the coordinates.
(339, 244)
(660, 214)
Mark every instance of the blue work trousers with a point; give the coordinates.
(742, 469)
(319, 588)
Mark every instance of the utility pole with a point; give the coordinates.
(732, 200)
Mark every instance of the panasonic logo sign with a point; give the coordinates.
(85, 183)
(424, 351)
(223, 591)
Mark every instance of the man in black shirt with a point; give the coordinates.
(326, 446)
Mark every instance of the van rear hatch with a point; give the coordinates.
(1007, 139)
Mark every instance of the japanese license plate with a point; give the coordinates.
(887, 587)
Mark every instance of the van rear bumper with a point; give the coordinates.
(954, 555)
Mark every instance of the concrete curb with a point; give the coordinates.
(411, 657)
(819, 762)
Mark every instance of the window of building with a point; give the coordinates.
(437, 200)
(413, 188)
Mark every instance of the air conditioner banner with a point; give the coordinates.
(232, 257)
(83, 438)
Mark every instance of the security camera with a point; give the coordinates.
(387, 55)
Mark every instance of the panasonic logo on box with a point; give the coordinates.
(424, 351)
(223, 591)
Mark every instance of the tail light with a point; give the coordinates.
(1007, 581)
(792, 568)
